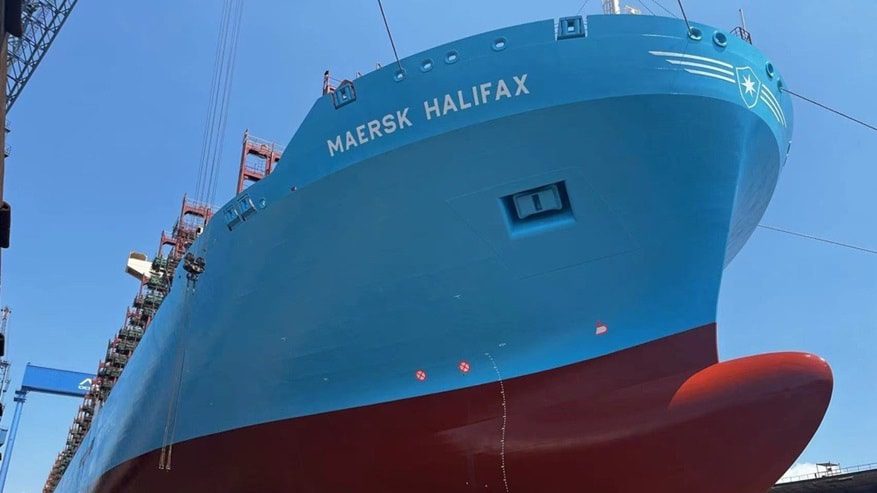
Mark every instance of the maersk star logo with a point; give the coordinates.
(750, 86)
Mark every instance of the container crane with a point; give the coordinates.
(28, 28)
(41, 20)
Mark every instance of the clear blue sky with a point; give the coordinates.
(106, 139)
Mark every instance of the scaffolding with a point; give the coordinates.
(154, 286)
(258, 159)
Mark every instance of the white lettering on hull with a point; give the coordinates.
(369, 131)
(437, 107)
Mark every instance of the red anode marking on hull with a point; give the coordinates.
(663, 417)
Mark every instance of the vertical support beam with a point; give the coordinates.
(20, 396)
(3, 75)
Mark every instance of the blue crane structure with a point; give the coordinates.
(47, 381)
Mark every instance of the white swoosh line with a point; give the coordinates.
(691, 57)
(778, 112)
(701, 65)
(776, 103)
(772, 109)
(769, 99)
(710, 74)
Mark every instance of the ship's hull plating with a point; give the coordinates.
(662, 418)
(321, 349)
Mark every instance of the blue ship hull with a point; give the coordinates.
(387, 278)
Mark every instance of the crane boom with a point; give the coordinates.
(42, 20)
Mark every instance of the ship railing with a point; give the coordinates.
(742, 33)
(189, 226)
(263, 142)
(828, 473)
(197, 204)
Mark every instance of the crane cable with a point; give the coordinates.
(665, 9)
(650, 11)
(210, 116)
(217, 108)
(228, 79)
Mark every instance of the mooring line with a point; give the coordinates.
(817, 238)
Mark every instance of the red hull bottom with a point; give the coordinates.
(663, 417)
